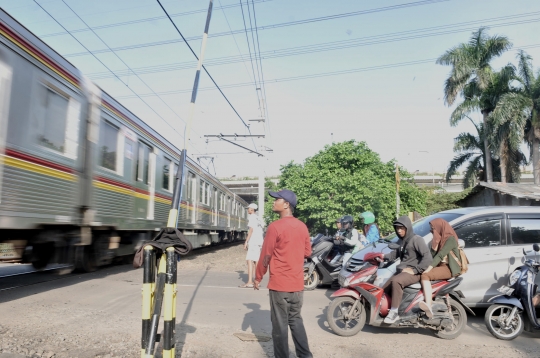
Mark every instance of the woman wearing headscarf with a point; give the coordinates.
(443, 266)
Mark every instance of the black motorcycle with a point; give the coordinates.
(319, 268)
(505, 319)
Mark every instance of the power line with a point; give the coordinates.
(274, 26)
(204, 68)
(125, 64)
(147, 19)
(153, 110)
(265, 103)
(330, 46)
(327, 74)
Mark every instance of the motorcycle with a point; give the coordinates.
(505, 318)
(320, 268)
(362, 300)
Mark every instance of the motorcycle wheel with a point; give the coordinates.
(336, 320)
(494, 322)
(460, 321)
(310, 281)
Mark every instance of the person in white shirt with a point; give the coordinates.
(253, 243)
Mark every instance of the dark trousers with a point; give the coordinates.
(395, 285)
(285, 312)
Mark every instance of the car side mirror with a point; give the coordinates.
(536, 247)
(461, 244)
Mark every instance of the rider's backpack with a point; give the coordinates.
(462, 261)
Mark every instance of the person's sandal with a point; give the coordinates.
(427, 309)
(245, 285)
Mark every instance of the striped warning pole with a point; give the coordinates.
(169, 306)
(149, 280)
(156, 309)
(172, 221)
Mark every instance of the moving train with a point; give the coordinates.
(82, 179)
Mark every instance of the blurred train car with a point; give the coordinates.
(82, 179)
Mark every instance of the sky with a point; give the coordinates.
(333, 70)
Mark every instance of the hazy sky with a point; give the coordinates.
(381, 85)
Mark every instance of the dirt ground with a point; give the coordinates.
(98, 316)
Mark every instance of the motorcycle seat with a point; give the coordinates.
(419, 286)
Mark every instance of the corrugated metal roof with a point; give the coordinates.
(518, 190)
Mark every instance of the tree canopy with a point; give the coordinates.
(349, 178)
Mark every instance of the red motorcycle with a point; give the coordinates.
(360, 300)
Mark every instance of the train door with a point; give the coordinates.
(151, 185)
(142, 175)
(215, 207)
(190, 197)
(5, 90)
(229, 208)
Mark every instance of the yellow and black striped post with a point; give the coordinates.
(156, 309)
(169, 306)
(149, 281)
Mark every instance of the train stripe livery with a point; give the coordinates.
(82, 179)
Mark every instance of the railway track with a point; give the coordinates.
(13, 276)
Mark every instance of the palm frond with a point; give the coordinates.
(467, 142)
(525, 70)
(457, 162)
(463, 110)
(472, 171)
(511, 105)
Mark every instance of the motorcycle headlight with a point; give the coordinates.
(513, 278)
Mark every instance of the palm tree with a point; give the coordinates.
(470, 149)
(524, 105)
(472, 74)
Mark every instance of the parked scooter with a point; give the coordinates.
(319, 267)
(362, 300)
(505, 318)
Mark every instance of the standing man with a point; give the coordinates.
(285, 246)
(253, 243)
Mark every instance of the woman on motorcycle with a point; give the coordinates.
(371, 229)
(444, 266)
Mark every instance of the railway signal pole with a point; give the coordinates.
(164, 290)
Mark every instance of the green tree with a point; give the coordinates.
(523, 105)
(348, 178)
(470, 76)
(440, 200)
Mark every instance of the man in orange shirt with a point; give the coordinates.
(285, 246)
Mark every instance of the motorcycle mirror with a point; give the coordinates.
(536, 247)
(524, 252)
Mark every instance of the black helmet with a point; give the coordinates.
(346, 222)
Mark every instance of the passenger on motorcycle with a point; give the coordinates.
(371, 229)
(443, 266)
(349, 237)
(415, 259)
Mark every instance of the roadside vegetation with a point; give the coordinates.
(508, 100)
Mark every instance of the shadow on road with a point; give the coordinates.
(252, 323)
(182, 328)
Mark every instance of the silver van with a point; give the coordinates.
(494, 241)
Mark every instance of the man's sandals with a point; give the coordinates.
(245, 285)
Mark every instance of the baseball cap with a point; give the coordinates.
(287, 195)
(253, 206)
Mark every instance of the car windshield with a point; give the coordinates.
(421, 227)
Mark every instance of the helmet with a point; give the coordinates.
(368, 216)
(346, 222)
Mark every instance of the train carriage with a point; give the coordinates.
(81, 177)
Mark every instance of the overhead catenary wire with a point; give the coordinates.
(335, 45)
(333, 73)
(279, 25)
(104, 65)
(146, 19)
(203, 67)
(125, 64)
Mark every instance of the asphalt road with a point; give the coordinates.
(96, 314)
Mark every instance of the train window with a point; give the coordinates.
(201, 192)
(143, 162)
(166, 174)
(52, 128)
(108, 143)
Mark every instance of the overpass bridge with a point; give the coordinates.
(248, 189)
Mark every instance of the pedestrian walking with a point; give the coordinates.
(285, 246)
(253, 243)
